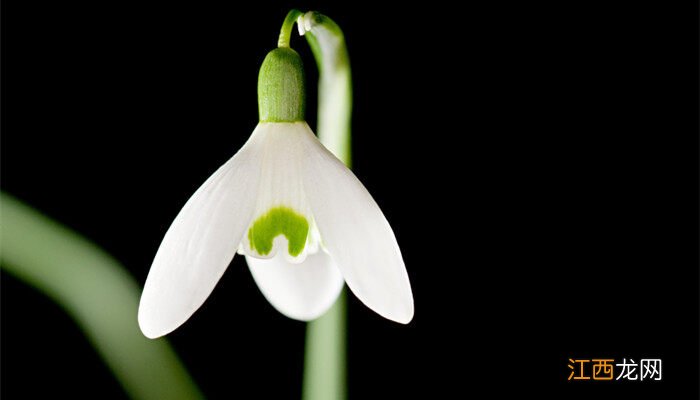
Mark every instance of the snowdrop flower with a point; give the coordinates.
(303, 221)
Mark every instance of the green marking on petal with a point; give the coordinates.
(279, 221)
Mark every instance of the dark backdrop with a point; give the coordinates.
(538, 164)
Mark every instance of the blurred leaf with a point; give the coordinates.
(98, 293)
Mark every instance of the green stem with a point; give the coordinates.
(98, 293)
(287, 26)
(325, 356)
(327, 43)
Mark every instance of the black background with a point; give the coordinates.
(538, 164)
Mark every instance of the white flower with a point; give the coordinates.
(304, 222)
(302, 218)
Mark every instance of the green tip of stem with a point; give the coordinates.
(287, 25)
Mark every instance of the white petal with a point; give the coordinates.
(357, 235)
(282, 193)
(300, 291)
(201, 242)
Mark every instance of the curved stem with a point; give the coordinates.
(325, 356)
(98, 293)
(327, 43)
(287, 25)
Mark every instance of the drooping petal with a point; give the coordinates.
(201, 242)
(357, 235)
(302, 291)
(282, 209)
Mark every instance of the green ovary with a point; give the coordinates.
(279, 221)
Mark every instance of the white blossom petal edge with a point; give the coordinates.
(304, 222)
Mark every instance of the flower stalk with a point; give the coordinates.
(287, 27)
(326, 339)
